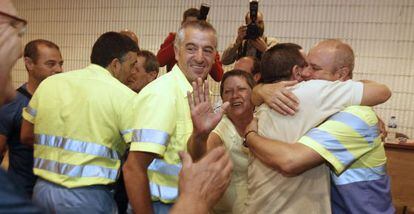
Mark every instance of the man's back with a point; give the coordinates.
(78, 129)
(350, 142)
(270, 191)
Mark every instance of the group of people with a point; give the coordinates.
(294, 132)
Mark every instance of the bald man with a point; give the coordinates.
(249, 64)
(348, 142)
(131, 35)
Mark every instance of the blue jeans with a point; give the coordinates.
(53, 198)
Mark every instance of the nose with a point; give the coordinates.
(235, 94)
(58, 69)
(199, 56)
(306, 73)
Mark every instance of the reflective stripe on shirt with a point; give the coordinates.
(332, 145)
(76, 146)
(359, 174)
(161, 166)
(358, 125)
(31, 111)
(74, 170)
(150, 136)
(163, 193)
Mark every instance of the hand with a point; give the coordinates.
(382, 130)
(202, 114)
(241, 33)
(277, 97)
(204, 182)
(259, 44)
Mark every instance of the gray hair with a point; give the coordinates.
(198, 24)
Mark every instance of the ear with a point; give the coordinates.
(257, 77)
(296, 73)
(114, 67)
(153, 75)
(176, 51)
(28, 63)
(343, 73)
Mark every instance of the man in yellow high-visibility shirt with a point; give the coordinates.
(80, 121)
(164, 122)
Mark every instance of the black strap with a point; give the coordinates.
(23, 91)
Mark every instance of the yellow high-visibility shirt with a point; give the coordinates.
(82, 120)
(163, 128)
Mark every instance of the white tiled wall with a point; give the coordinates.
(380, 31)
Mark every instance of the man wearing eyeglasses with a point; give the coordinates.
(11, 30)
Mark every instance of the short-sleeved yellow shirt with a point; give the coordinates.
(164, 127)
(79, 117)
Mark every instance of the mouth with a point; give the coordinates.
(236, 104)
(198, 67)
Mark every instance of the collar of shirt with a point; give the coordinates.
(95, 67)
(182, 81)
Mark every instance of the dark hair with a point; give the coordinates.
(237, 73)
(110, 46)
(191, 12)
(151, 63)
(256, 65)
(31, 49)
(278, 61)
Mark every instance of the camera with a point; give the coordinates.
(204, 8)
(253, 31)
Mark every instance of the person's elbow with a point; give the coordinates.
(27, 139)
(386, 94)
(378, 96)
(288, 168)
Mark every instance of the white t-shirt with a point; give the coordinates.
(270, 191)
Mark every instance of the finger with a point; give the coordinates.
(288, 98)
(190, 100)
(206, 91)
(285, 103)
(278, 109)
(213, 155)
(223, 107)
(291, 96)
(195, 93)
(286, 108)
(200, 90)
(224, 161)
(185, 159)
(289, 83)
(228, 168)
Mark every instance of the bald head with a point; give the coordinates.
(334, 56)
(245, 63)
(130, 34)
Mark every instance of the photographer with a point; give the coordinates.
(249, 45)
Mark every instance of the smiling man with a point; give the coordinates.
(164, 125)
(42, 59)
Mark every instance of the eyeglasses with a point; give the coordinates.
(16, 22)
